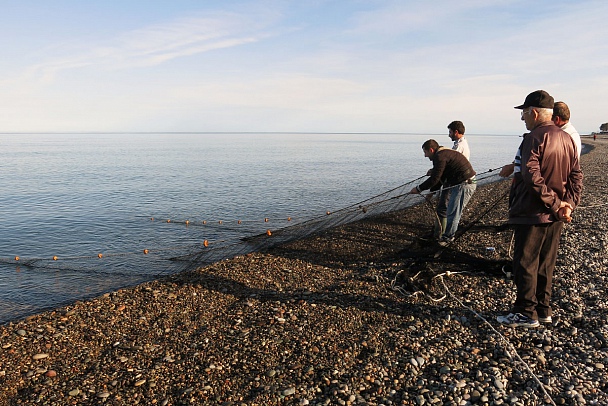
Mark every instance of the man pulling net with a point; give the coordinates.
(452, 170)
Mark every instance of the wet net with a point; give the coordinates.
(393, 200)
(45, 282)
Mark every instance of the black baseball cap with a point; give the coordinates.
(538, 98)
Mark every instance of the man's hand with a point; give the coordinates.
(564, 212)
(507, 170)
(414, 191)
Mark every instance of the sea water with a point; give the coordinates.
(79, 197)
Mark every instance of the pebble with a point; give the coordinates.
(332, 330)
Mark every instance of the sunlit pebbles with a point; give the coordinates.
(317, 323)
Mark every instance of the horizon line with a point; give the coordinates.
(232, 132)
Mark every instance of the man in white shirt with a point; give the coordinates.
(456, 134)
(561, 118)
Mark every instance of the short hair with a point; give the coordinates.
(561, 110)
(543, 114)
(456, 126)
(428, 144)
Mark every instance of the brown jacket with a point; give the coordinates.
(550, 173)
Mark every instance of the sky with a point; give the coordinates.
(374, 66)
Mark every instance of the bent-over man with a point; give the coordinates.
(456, 133)
(452, 170)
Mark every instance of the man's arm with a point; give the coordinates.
(507, 170)
(435, 175)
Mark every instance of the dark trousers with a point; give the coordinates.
(534, 256)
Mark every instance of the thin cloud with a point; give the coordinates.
(162, 43)
(157, 44)
(375, 66)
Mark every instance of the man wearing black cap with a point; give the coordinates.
(546, 188)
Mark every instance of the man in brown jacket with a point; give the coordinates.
(451, 171)
(546, 188)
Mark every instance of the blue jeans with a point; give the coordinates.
(442, 202)
(459, 197)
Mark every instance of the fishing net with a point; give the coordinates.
(66, 278)
(388, 202)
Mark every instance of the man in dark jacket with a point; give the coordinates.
(452, 170)
(546, 188)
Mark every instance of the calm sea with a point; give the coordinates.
(75, 196)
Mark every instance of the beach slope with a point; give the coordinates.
(365, 314)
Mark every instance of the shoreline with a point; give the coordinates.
(319, 321)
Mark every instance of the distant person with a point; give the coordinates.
(561, 118)
(456, 134)
(450, 169)
(545, 190)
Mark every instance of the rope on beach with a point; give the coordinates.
(411, 281)
(418, 292)
(510, 348)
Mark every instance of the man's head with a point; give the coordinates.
(561, 114)
(537, 109)
(430, 147)
(456, 130)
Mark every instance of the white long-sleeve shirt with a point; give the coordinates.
(462, 145)
(569, 128)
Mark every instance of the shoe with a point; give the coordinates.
(444, 242)
(517, 320)
(546, 320)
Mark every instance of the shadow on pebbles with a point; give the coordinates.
(365, 314)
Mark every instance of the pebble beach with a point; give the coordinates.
(364, 314)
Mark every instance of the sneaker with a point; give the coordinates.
(517, 320)
(444, 242)
(546, 320)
